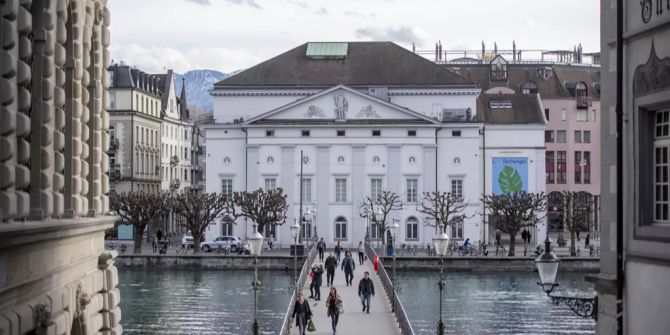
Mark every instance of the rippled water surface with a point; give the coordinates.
(200, 302)
(492, 303)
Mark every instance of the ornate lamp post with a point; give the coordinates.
(441, 242)
(256, 245)
(547, 267)
(393, 229)
(295, 232)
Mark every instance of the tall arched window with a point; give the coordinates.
(412, 229)
(340, 228)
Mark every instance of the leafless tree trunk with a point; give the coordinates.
(139, 209)
(386, 202)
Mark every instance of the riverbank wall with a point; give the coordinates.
(285, 262)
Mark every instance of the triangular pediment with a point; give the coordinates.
(341, 104)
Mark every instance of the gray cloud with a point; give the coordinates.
(403, 34)
(298, 3)
(250, 3)
(200, 2)
(321, 11)
(352, 13)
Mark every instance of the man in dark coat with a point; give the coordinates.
(366, 289)
(321, 246)
(331, 265)
(348, 265)
(318, 279)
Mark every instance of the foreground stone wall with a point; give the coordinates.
(209, 262)
(55, 277)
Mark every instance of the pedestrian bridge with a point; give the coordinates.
(381, 320)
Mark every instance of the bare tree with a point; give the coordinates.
(138, 209)
(265, 208)
(198, 211)
(442, 208)
(576, 213)
(386, 202)
(514, 211)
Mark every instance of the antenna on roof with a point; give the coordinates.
(413, 48)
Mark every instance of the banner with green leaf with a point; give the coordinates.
(510, 174)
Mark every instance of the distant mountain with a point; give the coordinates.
(198, 84)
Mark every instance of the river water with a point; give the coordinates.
(492, 303)
(221, 302)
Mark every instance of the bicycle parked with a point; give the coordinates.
(500, 250)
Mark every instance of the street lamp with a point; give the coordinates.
(256, 245)
(295, 232)
(379, 216)
(441, 242)
(547, 267)
(393, 229)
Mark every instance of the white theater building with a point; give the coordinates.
(367, 116)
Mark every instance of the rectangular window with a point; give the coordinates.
(411, 133)
(660, 163)
(561, 167)
(375, 230)
(227, 226)
(305, 133)
(306, 190)
(412, 229)
(457, 230)
(561, 136)
(341, 133)
(564, 114)
(549, 136)
(587, 136)
(456, 133)
(578, 167)
(582, 115)
(341, 190)
(593, 115)
(270, 184)
(550, 167)
(269, 133)
(375, 188)
(578, 136)
(227, 186)
(376, 133)
(412, 191)
(586, 167)
(546, 113)
(457, 188)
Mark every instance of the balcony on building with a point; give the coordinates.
(113, 144)
(174, 184)
(115, 172)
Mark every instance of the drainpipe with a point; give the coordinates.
(484, 223)
(619, 164)
(246, 171)
(436, 174)
(132, 147)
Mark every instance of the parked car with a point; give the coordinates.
(187, 241)
(232, 243)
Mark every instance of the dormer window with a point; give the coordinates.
(582, 95)
(528, 87)
(499, 68)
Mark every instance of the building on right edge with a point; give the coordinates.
(632, 284)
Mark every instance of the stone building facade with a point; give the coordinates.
(55, 276)
(635, 249)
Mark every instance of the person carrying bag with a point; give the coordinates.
(302, 314)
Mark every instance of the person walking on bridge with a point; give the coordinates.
(361, 251)
(338, 252)
(348, 265)
(331, 265)
(366, 289)
(301, 313)
(322, 248)
(334, 307)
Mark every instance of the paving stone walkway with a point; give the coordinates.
(353, 321)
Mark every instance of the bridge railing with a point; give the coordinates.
(400, 313)
(304, 273)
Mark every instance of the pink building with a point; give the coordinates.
(570, 93)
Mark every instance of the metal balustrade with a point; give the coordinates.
(400, 314)
(304, 273)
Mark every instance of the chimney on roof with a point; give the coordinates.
(440, 43)
(514, 51)
(436, 52)
(483, 51)
(413, 48)
(495, 49)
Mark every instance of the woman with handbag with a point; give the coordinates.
(334, 307)
(301, 313)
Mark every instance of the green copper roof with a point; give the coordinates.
(327, 50)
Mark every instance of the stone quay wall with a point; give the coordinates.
(232, 262)
(55, 276)
(575, 264)
(276, 262)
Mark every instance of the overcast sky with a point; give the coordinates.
(229, 35)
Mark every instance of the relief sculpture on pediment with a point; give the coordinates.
(368, 112)
(341, 106)
(314, 112)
